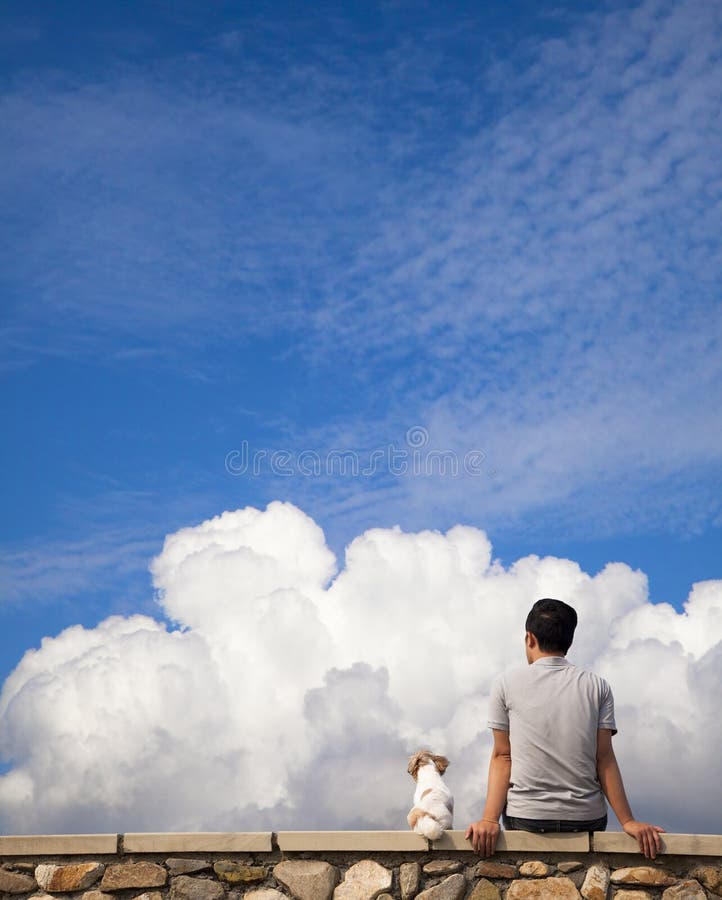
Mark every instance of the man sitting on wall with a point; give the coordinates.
(552, 763)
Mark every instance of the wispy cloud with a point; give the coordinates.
(99, 543)
(551, 295)
(516, 249)
(63, 569)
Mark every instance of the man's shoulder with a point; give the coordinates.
(521, 675)
(588, 676)
(511, 677)
(587, 673)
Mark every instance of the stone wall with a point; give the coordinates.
(354, 866)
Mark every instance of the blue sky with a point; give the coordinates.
(423, 265)
(487, 230)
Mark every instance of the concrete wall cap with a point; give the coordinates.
(67, 844)
(201, 842)
(576, 842)
(678, 844)
(349, 841)
(365, 841)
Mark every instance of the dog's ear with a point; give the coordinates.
(441, 763)
(414, 762)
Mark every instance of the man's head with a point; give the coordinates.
(552, 623)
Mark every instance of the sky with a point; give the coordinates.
(331, 337)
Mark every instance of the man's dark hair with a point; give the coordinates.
(552, 623)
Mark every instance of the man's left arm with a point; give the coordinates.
(485, 833)
(610, 778)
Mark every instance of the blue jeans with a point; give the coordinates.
(513, 823)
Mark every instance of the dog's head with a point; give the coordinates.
(423, 758)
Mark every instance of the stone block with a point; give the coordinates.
(632, 895)
(710, 877)
(451, 888)
(238, 873)
(364, 881)
(596, 883)
(569, 866)
(16, 882)
(179, 865)
(485, 890)
(642, 875)
(442, 867)
(307, 879)
(123, 876)
(185, 887)
(75, 877)
(685, 890)
(264, 894)
(149, 895)
(409, 880)
(543, 889)
(96, 895)
(534, 868)
(488, 869)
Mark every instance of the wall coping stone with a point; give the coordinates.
(351, 840)
(66, 844)
(345, 841)
(201, 841)
(521, 840)
(678, 844)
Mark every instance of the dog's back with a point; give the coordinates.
(433, 808)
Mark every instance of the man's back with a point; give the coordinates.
(552, 763)
(552, 711)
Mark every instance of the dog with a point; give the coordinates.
(433, 809)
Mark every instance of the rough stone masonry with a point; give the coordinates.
(319, 875)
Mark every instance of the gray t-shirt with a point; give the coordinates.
(552, 711)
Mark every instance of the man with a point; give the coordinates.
(552, 764)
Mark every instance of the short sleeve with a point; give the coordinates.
(606, 708)
(498, 717)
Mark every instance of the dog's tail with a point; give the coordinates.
(430, 828)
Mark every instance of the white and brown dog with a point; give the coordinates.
(433, 807)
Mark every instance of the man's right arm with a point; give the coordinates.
(484, 833)
(610, 778)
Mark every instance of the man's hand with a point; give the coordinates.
(647, 836)
(483, 836)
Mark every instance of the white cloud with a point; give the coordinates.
(291, 693)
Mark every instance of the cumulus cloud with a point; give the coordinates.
(286, 692)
